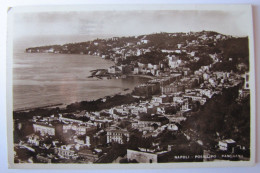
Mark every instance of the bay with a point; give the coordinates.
(41, 79)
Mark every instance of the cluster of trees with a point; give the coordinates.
(167, 40)
(116, 150)
(235, 48)
(222, 117)
(153, 57)
(42, 48)
(203, 61)
(137, 141)
(21, 130)
(149, 117)
(98, 105)
(23, 155)
(72, 116)
(25, 116)
(183, 149)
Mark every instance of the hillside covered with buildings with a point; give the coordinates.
(195, 106)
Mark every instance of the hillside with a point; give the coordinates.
(154, 48)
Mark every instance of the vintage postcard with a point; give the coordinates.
(130, 86)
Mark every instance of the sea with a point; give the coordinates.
(43, 79)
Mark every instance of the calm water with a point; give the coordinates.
(43, 79)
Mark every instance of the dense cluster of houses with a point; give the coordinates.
(173, 61)
(69, 137)
(119, 49)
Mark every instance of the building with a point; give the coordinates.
(34, 140)
(51, 50)
(66, 120)
(246, 81)
(136, 70)
(172, 127)
(172, 88)
(227, 144)
(78, 128)
(114, 70)
(142, 157)
(65, 151)
(145, 125)
(185, 106)
(147, 89)
(88, 155)
(44, 129)
(144, 41)
(200, 99)
(161, 99)
(150, 66)
(115, 38)
(149, 123)
(245, 91)
(117, 136)
(89, 140)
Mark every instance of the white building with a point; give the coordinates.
(65, 151)
(141, 157)
(117, 136)
(172, 127)
(34, 140)
(136, 70)
(44, 129)
(144, 41)
(227, 144)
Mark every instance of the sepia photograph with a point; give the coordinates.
(118, 86)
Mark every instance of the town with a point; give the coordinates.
(194, 107)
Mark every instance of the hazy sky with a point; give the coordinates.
(128, 22)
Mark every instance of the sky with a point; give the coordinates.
(128, 23)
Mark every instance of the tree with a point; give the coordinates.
(155, 126)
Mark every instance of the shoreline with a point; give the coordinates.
(58, 104)
(27, 109)
(64, 106)
(123, 91)
(142, 76)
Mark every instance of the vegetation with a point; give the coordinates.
(235, 51)
(99, 104)
(116, 150)
(222, 117)
(95, 105)
(203, 61)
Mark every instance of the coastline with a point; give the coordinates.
(22, 91)
(143, 76)
(39, 107)
(123, 92)
(60, 105)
